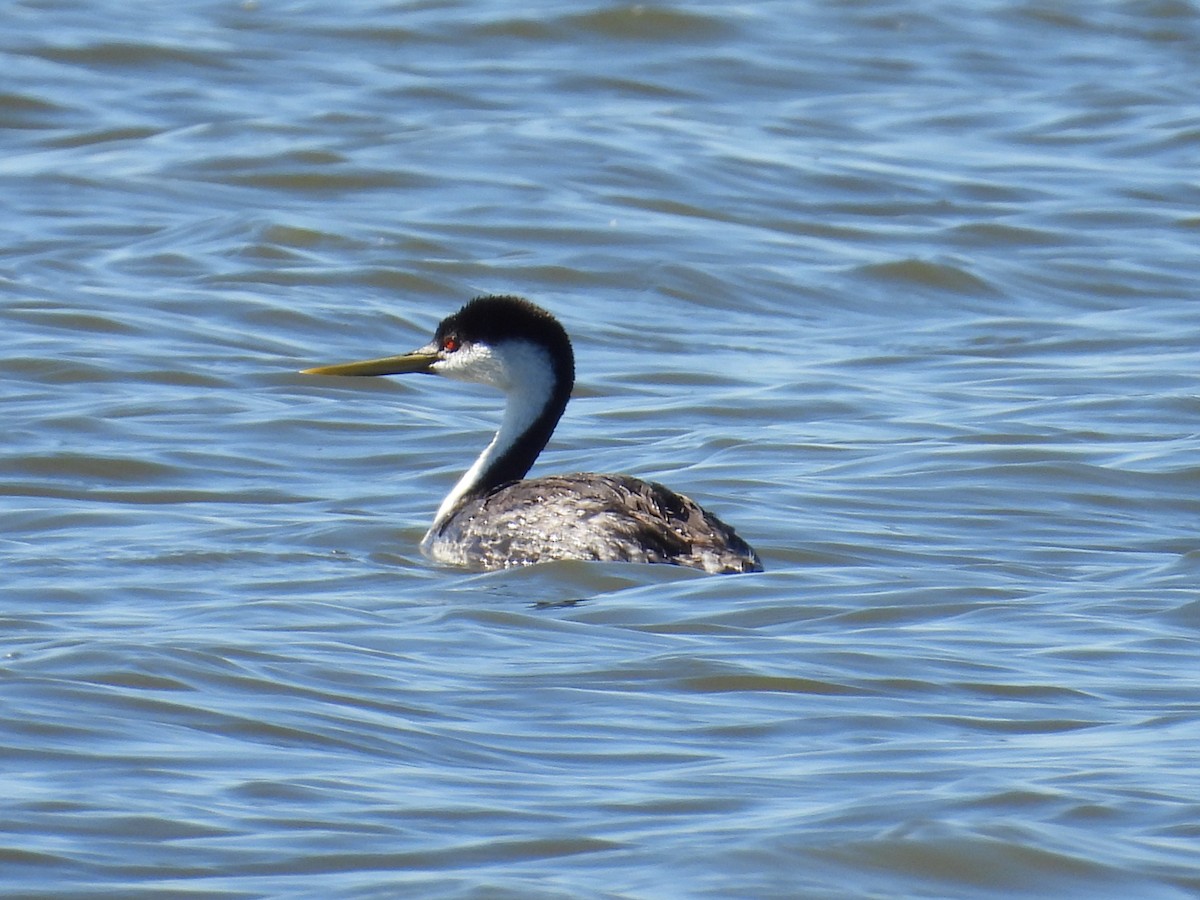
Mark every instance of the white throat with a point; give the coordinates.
(524, 372)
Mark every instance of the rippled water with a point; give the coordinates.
(903, 291)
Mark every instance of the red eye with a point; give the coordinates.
(450, 344)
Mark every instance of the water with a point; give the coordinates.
(904, 293)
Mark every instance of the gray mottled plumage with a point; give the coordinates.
(587, 516)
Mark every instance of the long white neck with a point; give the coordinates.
(524, 372)
(520, 412)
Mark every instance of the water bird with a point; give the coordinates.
(494, 517)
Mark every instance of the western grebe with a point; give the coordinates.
(492, 518)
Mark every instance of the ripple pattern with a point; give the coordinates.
(904, 293)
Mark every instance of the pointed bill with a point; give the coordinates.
(417, 361)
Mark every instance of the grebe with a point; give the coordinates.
(492, 518)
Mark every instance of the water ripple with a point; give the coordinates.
(911, 310)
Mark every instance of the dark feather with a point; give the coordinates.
(589, 516)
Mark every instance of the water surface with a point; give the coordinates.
(907, 295)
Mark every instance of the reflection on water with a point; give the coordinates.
(909, 308)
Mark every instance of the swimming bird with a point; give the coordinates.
(494, 517)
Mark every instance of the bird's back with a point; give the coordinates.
(587, 516)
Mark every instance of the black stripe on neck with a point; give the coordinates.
(519, 458)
